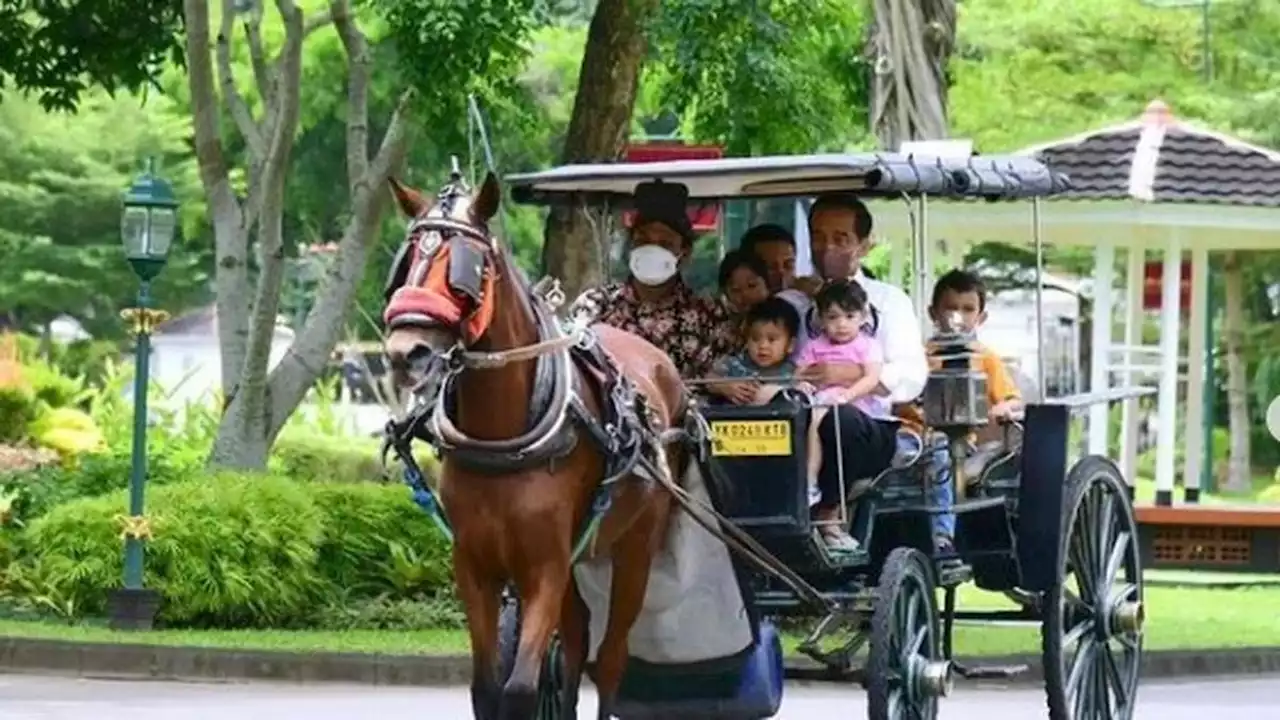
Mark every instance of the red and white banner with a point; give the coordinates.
(1153, 283)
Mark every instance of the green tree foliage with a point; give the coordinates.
(1029, 71)
(62, 178)
(59, 50)
(764, 77)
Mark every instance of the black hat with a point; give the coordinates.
(666, 203)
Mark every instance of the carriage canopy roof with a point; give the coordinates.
(873, 175)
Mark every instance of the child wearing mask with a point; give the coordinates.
(960, 294)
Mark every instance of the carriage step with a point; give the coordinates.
(990, 672)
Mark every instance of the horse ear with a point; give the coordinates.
(486, 205)
(410, 201)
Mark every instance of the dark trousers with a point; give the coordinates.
(868, 446)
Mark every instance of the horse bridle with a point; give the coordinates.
(427, 234)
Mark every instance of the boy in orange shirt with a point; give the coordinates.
(961, 293)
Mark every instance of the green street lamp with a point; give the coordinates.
(147, 228)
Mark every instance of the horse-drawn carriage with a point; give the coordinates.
(1055, 535)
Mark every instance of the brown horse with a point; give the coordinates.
(516, 482)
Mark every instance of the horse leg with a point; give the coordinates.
(480, 600)
(574, 636)
(632, 558)
(541, 588)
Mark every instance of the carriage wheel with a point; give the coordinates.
(551, 681)
(1093, 615)
(906, 673)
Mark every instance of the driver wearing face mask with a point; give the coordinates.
(654, 302)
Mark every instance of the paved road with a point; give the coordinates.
(36, 698)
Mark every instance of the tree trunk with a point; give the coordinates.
(1239, 473)
(598, 130)
(257, 403)
(911, 45)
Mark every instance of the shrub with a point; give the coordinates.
(87, 359)
(340, 458)
(41, 488)
(52, 387)
(244, 551)
(17, 409)
(68, 431)
(305, 456)
(228, 551)
(377, 541)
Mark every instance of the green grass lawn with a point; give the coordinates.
(1178, 618)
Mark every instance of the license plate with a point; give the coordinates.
(748, 438)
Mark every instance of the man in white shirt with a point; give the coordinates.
(840, 235)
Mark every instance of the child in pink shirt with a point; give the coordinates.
(843, 314)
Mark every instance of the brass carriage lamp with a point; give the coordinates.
(147, 227)
(149, 223)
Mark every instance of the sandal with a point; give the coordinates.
(839, 541)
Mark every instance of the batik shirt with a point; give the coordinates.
(692, 330)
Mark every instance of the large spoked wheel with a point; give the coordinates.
(551, 681)
(1093, 616)
(906, 673)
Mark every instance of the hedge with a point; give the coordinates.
(234, 550)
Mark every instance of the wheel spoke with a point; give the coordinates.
(1080, 552)
(1114, 562)
(1073, 637)
(1078, 673)
(1130, 642)
(917, 642)
(1104, 518)
(1102, 695)
(1069, 597)
(896, 704)
(1116, 678)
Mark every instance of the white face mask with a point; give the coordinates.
(653, 265)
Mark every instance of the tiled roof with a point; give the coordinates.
(1160, 159)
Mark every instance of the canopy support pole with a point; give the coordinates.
(1104, 263)
(923, 263)
(1037, 232)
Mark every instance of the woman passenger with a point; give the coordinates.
(654, 302)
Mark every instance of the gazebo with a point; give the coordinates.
(1156, 183)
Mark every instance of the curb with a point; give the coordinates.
(1156, 665)
(154, 662)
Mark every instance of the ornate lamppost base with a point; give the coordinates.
(132, 609)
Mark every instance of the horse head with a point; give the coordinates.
(442, 292)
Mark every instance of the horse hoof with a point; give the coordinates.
(519, 703)
(484, 702)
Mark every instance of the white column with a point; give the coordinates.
(1167, 422)
(1135, 279)
(1104, 260)
(1195, 373)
